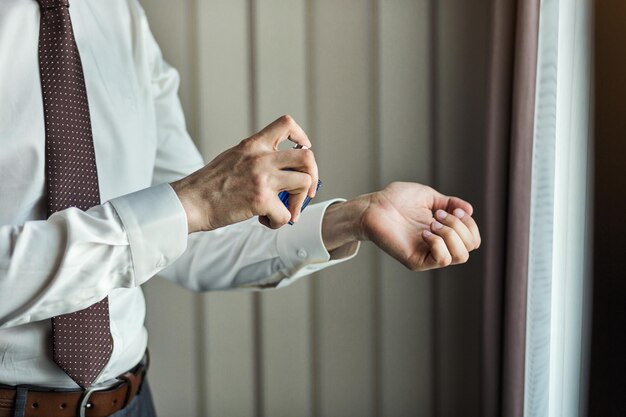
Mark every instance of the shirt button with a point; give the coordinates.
(302, 253)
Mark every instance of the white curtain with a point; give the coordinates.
(559, 235)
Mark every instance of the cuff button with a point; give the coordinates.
(302, 253)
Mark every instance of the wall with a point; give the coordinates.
(387, 90)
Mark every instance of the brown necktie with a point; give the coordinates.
(82, 342)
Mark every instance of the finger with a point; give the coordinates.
(471, 225)
(459, 227)
(295, 205)
(439, 256)
(276, 214)
(301, 160)
(447, 203)
(281, 129)
(291, 181)
(297, 184)
(455, 245)
(456, 202)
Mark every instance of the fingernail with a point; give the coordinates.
(459, 213)
(428, 233)
(437, 225)
(442, 214)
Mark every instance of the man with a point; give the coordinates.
(102, 189)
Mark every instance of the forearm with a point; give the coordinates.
(342, 223)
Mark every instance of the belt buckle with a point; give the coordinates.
(84, 404)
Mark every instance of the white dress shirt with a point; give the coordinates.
(74, 259)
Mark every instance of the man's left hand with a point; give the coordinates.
(420, 227)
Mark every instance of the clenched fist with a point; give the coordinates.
(244, 181)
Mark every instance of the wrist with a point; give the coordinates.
(187, 198)
(342, 223)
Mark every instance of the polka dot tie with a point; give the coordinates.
(82, 342)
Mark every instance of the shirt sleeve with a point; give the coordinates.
(75, 258)
(176, 155)
(249, 255)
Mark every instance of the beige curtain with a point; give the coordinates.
(508, 176)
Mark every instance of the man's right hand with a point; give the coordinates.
(244, 181)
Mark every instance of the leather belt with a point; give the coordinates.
(93, 402)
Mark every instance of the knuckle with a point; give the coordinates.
(280, 221)
(287, 120)
(258, 180)
(445, 260)
(306, 181)
(444, 232)
(258, 200)
(307, 156)
(414, 266)
(452, 220)
(409, 263)
(247, 143)
(256, 164)
(467, 220)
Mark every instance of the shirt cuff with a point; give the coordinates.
(301, 247)
(156, 225)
